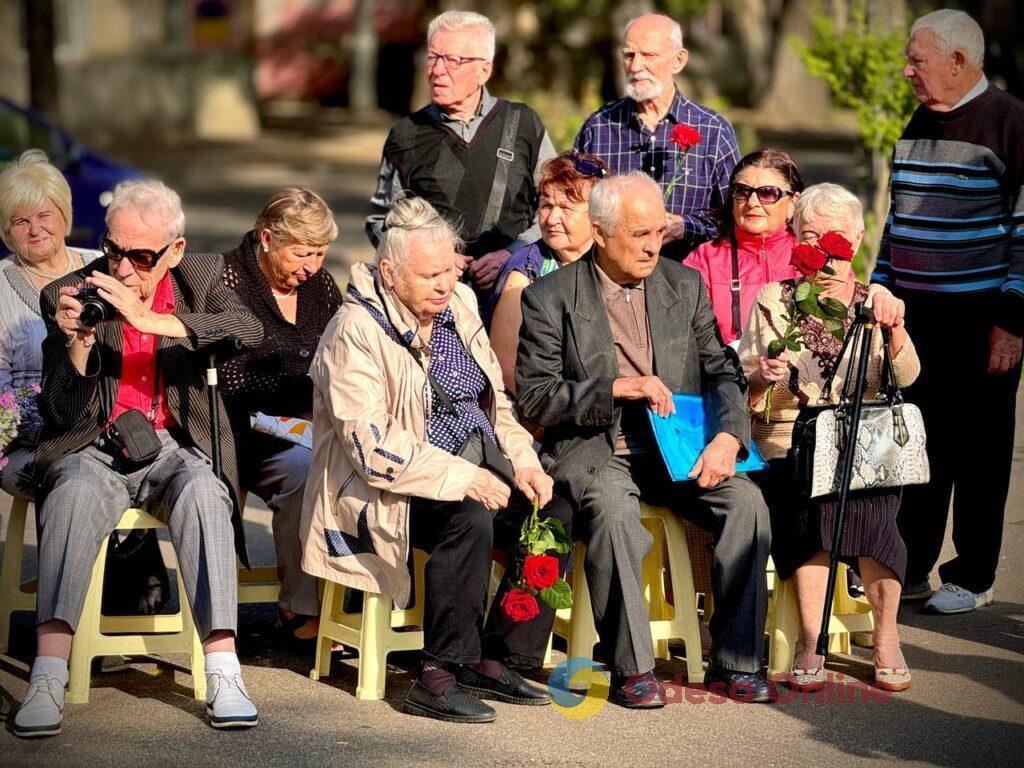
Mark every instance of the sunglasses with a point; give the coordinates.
(767, 195)
(585, 167)
(141, 258)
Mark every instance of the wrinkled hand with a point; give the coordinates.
(649, 388)
(1004, 350)
(887, 308)
(535, 483)
(675, 228)
(774, 368)
(68, 311)
(717, 462)
(486, 488)
(484, 270)
(462, 263)
(124, 299)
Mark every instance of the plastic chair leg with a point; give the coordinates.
(373, 652)
(322, 663)
(784, 630)
(684, 594)
(10, 568)
(188, 625)
(80, 663)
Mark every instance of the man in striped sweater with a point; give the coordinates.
(953, 249)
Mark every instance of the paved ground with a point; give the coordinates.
(965, 707)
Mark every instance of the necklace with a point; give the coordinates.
(39, 273)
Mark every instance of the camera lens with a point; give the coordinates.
(92, 313)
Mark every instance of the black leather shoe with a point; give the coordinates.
(637, 692)
(455, 705)
(747, 687)
(510, 687)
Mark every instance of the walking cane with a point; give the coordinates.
(211, 391)
(860, 349)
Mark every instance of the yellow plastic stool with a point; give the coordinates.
(99, 635)
(849, 614)
(371, 632)
(261, 584)
(668, 622)
(15, 595)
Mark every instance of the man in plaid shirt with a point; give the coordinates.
(633, 133)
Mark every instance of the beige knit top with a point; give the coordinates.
(809, 369)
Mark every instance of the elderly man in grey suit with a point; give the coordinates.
(616, 332)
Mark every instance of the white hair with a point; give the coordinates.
(955, 31)
(409, 217)
(607, 194)
(675, 32)
(453, 21)
(31, 180)
(829, 203)
(149, 196)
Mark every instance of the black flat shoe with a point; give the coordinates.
(637, 692)
(510, 687)
(455, 705)
(747, 687)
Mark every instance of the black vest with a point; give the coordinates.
(433, 162)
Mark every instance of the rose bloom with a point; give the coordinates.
(807, 259)
(519, 605)
(540, 571)
(836, 246)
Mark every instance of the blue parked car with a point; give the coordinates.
(92, 176)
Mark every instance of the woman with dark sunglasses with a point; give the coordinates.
(564, 219)
(754, 242)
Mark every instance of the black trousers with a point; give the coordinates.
(459, 537)
(969, 420)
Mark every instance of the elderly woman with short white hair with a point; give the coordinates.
(35, 219)
(802, 528)
(415, 445)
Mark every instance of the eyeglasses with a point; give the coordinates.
(585, 167)
(451, 62)
(767, 195)
(141, 258)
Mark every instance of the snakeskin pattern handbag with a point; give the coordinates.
(890, 450)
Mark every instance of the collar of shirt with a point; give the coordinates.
(163, 297)
(676, 111)
(486, 104)
(979, 88)
(609, 287)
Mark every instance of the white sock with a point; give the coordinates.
(54, 666)
(226, 660)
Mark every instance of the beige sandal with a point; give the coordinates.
(807, 680)
(893, 679)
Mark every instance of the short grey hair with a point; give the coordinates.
(606, 197)
(454, 21)
(831, 203)
(31, 180)
(955, 31)
(412, 217)
(675, 31)
(149, 196)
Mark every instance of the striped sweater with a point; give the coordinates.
(956, 215)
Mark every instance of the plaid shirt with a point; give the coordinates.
(616, 134)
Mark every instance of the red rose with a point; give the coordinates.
(519, 605)
(836, 246)
(807, 259)
(540, 571)
(685, 136)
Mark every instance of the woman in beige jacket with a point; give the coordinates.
(415, 444)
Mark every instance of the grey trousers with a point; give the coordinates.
(608, 522)
(275, 470)
(85, 495)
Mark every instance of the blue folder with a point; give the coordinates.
(682, 436)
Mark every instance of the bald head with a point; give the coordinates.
(652, 54)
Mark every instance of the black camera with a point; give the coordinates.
(95, 309)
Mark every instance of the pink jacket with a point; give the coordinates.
(761, 260)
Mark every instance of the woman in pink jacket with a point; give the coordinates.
(755, 242)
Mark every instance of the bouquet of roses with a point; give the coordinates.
(537, 575)
(684, 137)
(811, 261)
(18, 415)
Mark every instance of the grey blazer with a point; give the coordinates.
(75, 407)
(566, 364)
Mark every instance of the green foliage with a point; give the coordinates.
(863, 71)
(561, 115)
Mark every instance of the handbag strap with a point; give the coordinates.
(734, 286)
(888, 386)
(505, 157)
(826, 389)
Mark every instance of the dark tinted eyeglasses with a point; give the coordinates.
(767, 195)
(585, 167)
(141, 258)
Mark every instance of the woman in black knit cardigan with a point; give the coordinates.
(278, 272)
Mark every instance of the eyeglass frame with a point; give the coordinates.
(145, 258)
(742, 198)
(446, 56)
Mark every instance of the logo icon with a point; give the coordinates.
(578, 688)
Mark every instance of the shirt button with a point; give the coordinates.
(304, 352)
(591, 470)
(144, 378)
(145, 337)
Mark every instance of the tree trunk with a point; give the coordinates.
(42, 68)
(362, 83)
(791, 93)
(753, 26)
(880, 173)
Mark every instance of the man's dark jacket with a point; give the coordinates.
(75, 408)
(566, 364)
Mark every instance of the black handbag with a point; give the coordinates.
(136, 581)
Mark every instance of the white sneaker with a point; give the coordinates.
(227, 702)
(955, 599)
(43, 709)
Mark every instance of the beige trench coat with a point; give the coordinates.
(370, 450)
